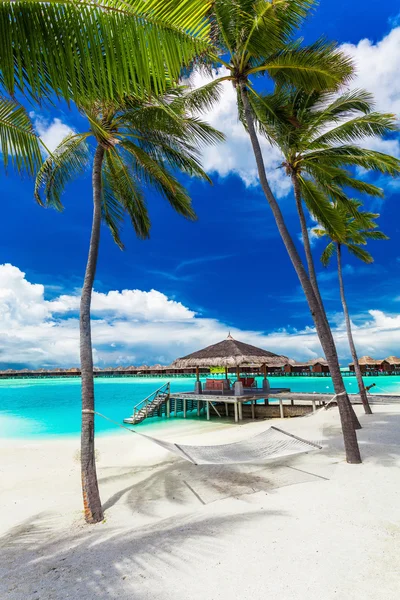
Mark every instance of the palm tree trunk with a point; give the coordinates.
(360, 381)
(311, 269)
(324, 333)
(90, 489)
(306, 241)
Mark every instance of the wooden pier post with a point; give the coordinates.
(208, 410)
(184, 408)
(282, 414)
(253, 416)
(235, 405)
(226, 409)
(168, 407)
(198, 408)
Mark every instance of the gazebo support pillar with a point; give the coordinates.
(197, 385)
(265, 384)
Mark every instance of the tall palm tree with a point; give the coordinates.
(98, 49)
(319, 135)
(137, 145)
(255, 38)
(19, 142)
(359, 228)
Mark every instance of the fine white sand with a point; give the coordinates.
(310, 527)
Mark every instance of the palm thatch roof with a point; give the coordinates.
(392, 360)
(367, 360)
(229, 353)
(318, 361)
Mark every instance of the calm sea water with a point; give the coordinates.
(30, 408)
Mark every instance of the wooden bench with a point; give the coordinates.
(217, 385)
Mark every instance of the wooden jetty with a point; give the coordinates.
(276, 403)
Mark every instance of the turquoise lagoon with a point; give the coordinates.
(31, 408)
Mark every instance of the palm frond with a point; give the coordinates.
(353, 155)
(360, 253)
(375, 235)
(153, 173)
(372, 124)
(68, 161)
(122, 194)
(319, 66)
(19, 143)
(99, 49)
(328, 253)
(321, 208)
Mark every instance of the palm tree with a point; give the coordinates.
(19, 143)
(317, 134)
(101, 49)
(137, 145)
(359, 228)
(255, 38)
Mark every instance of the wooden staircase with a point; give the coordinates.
(150, 406)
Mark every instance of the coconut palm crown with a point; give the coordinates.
(257, 39)
(143, 144)
(359, 228)
(320, 136)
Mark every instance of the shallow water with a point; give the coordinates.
(32, 408)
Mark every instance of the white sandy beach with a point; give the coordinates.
(310, 527)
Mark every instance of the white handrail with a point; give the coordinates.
(154, 394)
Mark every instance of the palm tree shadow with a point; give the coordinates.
(187, 486)
(102, 562)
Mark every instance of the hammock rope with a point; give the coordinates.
(270, 444)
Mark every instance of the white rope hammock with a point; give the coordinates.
(270, 444)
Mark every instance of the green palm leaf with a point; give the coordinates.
(328, 253)
(322, 210)
(68, 161)
(122, 193)
(19, 143)
(99, 49)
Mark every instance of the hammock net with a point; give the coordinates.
(270, 444)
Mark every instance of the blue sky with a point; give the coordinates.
(227, 271)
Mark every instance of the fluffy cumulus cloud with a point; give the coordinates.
(235, 156)
(51, 132)
(134, 326)
(378, 69)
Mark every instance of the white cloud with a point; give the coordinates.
(235, 156)
(378, 69)
(135, 326)
(132, 304)
(51, 133)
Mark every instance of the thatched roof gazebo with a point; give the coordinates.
(229, 353)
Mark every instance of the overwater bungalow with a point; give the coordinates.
(390, 364)
(319, 365)
(293, 366)
(367, 364)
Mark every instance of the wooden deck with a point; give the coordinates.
(283, 396)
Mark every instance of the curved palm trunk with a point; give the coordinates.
(361, 386)
(311, 270)
(90, 488)
(324, 333)
(306, 241)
